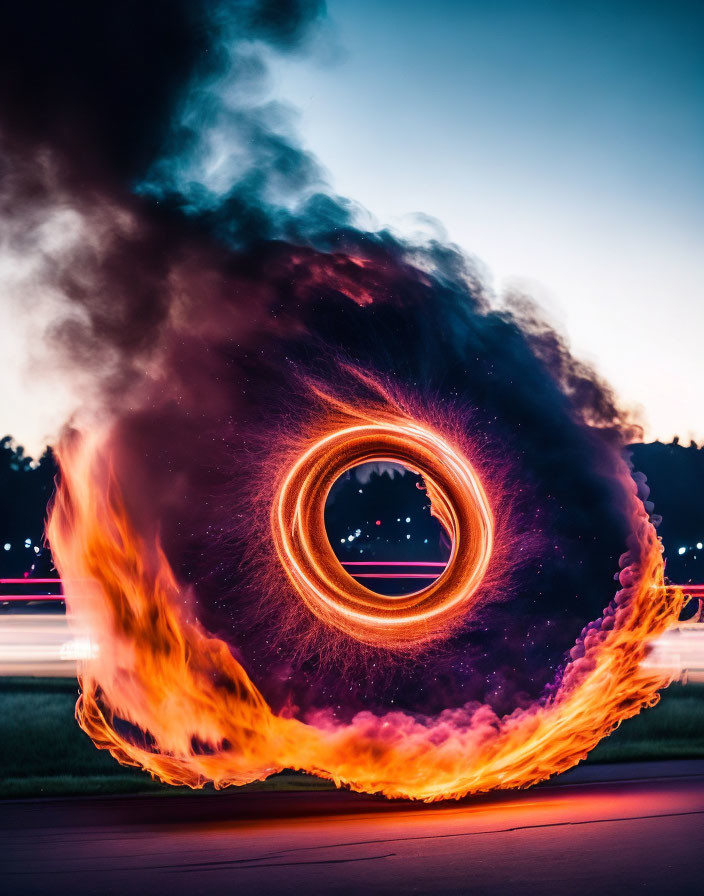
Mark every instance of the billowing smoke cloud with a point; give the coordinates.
(200, 273)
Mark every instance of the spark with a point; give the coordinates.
(458, 499)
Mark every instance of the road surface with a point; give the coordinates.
(641, 831)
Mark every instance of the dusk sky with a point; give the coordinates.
(560, 144)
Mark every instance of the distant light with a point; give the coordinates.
(681, 550)
(350, 538)
(407, 537)
(360, 491)
(36, 549)
(408, 519)
(342, 541)
(378, 522)
(425, 541)
(357, 533)
(7, 546)
(699, 545)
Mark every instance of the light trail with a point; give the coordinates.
(392, 563)
(395, 575)
(28, 581)
(43, 645)
(690, 589)
(457, 498)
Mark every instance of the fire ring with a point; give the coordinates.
(458, 500)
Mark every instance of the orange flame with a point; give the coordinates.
(165, 695)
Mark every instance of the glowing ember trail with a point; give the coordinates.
(457, 499)
(164, 695)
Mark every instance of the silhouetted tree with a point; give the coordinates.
(25, 489)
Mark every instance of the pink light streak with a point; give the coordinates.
(394, 575)
(28, 581)
(391, 563)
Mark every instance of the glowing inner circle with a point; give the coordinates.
(457, 499)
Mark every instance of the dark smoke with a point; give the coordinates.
(101, 82)
(199, 308)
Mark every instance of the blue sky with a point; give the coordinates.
(560, 143)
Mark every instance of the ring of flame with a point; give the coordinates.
(204, 720)
(457, 499)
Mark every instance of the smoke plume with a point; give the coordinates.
(197, 274)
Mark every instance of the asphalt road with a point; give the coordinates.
(641, 831)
